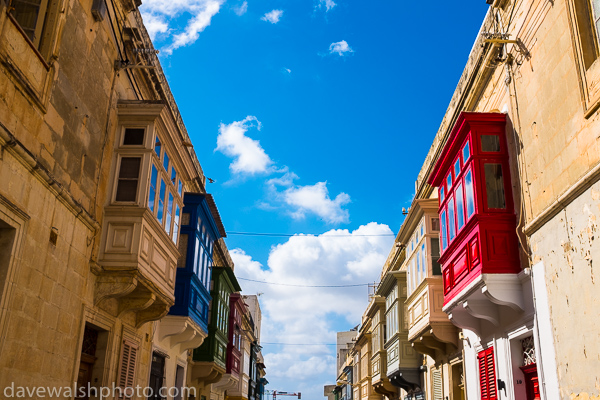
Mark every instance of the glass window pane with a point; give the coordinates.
(466, 152)
(494, 186)
(449, 182)
(469, 194)
(166, 162)
(128, 179)
(460, 212)
(176, 223)
(174, 176)
(451, 222)
(418, 270)
(490, 143)
(457, 168)
(26, 14)
(441, 194)
(436, 268)
(161, 202)
(169, 214)
(196, 256)
(423, 260)
(435, 224)
(134, 136)
(152, 192)
(157, 146)
(443, 220)
(180, 188)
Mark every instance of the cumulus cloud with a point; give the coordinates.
(296, 314)
(249, 157)
(340, 48)
(308, 199)
(272, 16)
(197, 14)
(328, 4)
(315, 198)
(241, 9)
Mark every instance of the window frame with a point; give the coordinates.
(164, 176)
(459, 183)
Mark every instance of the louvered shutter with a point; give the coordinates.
(438, 392)
(127, 370)
(487, 374)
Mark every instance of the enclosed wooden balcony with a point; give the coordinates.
(429, 329)
(480, 247)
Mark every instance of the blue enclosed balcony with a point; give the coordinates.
(201, 227)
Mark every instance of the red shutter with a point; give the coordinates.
(487, 374)
(127, 371)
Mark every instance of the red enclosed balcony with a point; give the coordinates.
(479, 244)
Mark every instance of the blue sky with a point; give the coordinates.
(312, 116)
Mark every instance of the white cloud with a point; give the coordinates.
(158, 15)
(272, 16)
(341, 48)
(328, 4)
(241, 9)
(289, 71)
(312, 315)
(155, 25)
(249, 157)
(315, 199)
(312, 199)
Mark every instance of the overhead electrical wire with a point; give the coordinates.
(302, 234)
(299, 344)
(308, 286)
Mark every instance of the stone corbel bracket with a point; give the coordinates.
(133, 294)
(181, 331)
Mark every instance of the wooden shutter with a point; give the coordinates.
(437, 390)
(127, 370)
(487, 374)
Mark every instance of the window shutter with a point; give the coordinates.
(438, 393)
(127, 372)
(487, 374)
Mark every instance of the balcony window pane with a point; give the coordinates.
(161, 202)
(441, 194)
(166, 162)
(196, 256)
(423, 261)
(457, 168)
(460, 213)
(466, 152)
(449, 182)
(490, 143)
(26, 13)
(180, 188)
(418, 270)
(451, 221)
(176, 223)
(444, 240)
(435, 224)
(157, 146)
(494, 186)
(436, 268)
(469, 194)
(169, 214)
(134, 136)
(173, 176)
(128, 179)
(152, 192)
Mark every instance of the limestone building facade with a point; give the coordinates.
(94, 164)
